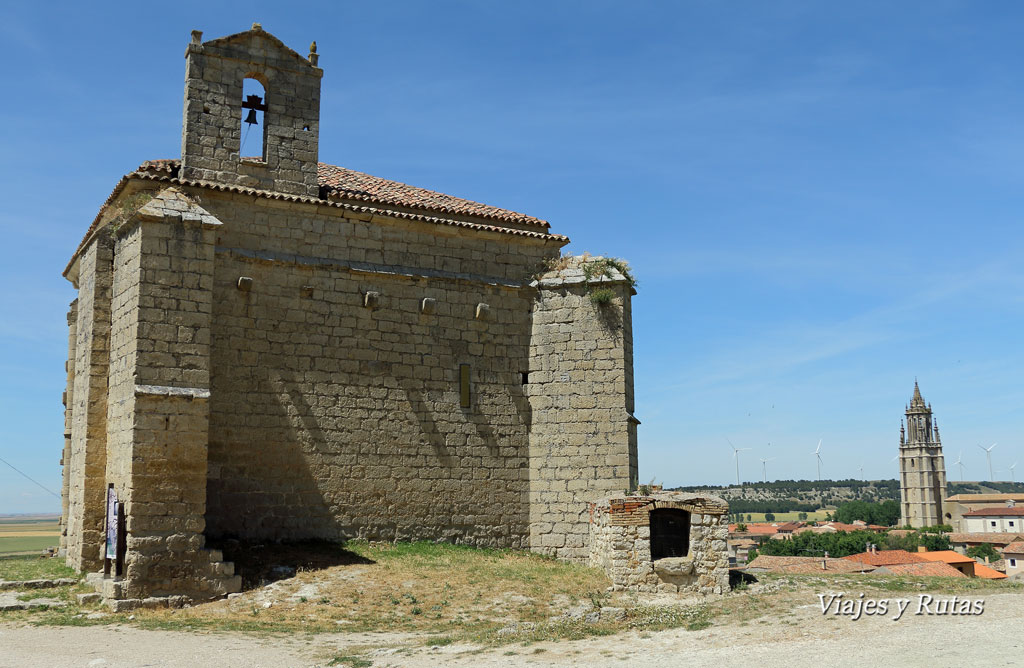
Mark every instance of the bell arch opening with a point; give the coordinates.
(253, 145)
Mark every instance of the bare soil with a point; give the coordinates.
(786, 629)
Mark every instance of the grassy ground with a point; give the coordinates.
(34, 568)
(27, 535)
(435, 594)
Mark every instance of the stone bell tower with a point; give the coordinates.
(216, 113)
(922, 467)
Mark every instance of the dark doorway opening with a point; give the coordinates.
(670, 533)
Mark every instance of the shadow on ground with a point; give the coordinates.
(738, 578)
(259, 562)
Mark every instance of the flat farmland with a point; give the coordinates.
(28, 534)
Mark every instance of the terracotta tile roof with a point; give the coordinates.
(356, 192)
(756, 528)
(743, 542)
(983, 571)
(926, 568)
(805, 565)
(945, 556)
(978, 538)
(886, 557)
(985, 498)
(350, 184)
(1014, 548)
(789, 526)
(342, 183)
(997, 511)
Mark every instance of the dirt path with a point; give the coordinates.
(794, 638)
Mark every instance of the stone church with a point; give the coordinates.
(269, 347)
(922, 467)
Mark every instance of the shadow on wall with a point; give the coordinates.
(335, 421)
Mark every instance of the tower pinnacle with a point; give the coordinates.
(922, 468)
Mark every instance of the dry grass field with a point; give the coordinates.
(28, 534)
(361, 602)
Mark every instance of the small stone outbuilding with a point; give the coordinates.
(662, 542)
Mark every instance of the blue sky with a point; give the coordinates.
(822, 201)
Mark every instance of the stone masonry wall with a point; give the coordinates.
(65, 457)
(333, 416)
(85, 509)
(620, 544)
(582, 434)
(161, 340)
(212, 129)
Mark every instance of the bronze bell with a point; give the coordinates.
(251, 117)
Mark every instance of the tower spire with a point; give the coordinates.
(922, 470)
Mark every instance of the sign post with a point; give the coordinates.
(110, 551)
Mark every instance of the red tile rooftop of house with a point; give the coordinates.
(886, 557)
(994, 538)
(927, 568)
(946, 556)
(756, 528)
(983, 571)
(1016, 511)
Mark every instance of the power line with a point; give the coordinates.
(26, 475)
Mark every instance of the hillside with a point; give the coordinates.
(783, 496)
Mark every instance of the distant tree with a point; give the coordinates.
(749, 517)
(838, 544)
(982, 551)
(802, 516)
(933, 542)
(741, 527)
(751, 554)
(769, 517)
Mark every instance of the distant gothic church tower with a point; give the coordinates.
(922, 468)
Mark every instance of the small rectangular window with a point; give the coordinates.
(1013, 563)
(1011, 522)
(464, 395)
(993, 522)
(525, 376)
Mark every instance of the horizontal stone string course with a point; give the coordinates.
(367, 268)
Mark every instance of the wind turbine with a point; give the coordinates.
(817, 454)
(988, 454)
(764, 468)
(736, 455)
(1013, 476)
(959, 463)
(861, 469)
